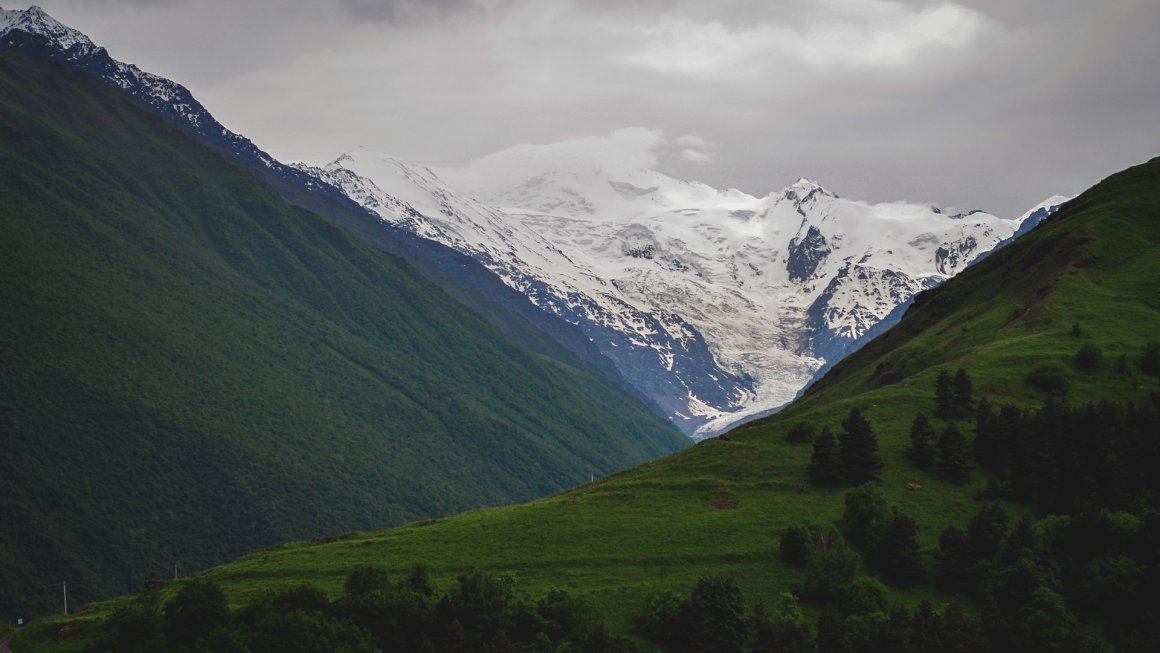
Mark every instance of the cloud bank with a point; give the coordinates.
(990, 104)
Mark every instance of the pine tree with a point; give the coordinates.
(897, 554)
(954, 456)
(866, 514)
(826, 461)
(956, 564)
(832, 633)
(923, 439)
(986, 436)
(944, 395)
(986, 531)
(961, 393)
(859, 449)
(927, 629)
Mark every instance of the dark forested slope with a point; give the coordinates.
(190, 367)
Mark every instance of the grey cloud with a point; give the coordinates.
(412, 11)
(1051, 96)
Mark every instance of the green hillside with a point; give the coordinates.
(1086, 277)
(191, 368)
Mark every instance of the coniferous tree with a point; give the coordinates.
(956, 563)
(866, 514)
(923, 439)
(954, 456)
(962, 393)
(794, 545)
(986, 436)
(927, 628)
(944, 395)
(897, 554)
(859, 449)
(832, 635)
(826, 460)
(986, 531)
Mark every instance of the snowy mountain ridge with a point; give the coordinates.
(716, 304)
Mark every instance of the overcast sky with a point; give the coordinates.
(991, 104)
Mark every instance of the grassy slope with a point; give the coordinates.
(716, 508)
(190, 367)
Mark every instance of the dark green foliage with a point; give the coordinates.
(136, 627)
(717, 617)
(896, 555)
(986, 531)
(1150, 360)
(944, 395)
(303, 631)
(1062, 458)
(922, 451)
(1088, 357)
(196, 611)
(995, 433)
(801, 432)
(954, 456)
(826, 460)
(832, 636)
(712, 619)
(956, 562)
(191, 368)
(794, 545)
(858, 447)
(866, 514)
(865, 595)
(897, 630)
(480, 613)
(822, 551)
(564, 617)
(963, 394)
(1050, 378)
(660, 620)
(831, 564)
(1046, 624)
(365, 580)
(782, 629)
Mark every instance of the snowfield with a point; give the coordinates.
(716, 304)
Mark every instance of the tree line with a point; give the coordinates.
(480, 612)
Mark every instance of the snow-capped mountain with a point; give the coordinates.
(716, 304)
(36, 32)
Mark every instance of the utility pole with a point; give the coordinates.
(64, 590)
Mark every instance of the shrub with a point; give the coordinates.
(1050, 377)
(801, 432)
(794, 546)
(1088, 357)
(1150, 362)
(198, 608)
(661, 619)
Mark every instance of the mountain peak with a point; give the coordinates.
(35, 20)
(803, 188)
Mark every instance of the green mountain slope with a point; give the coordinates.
(718, 508)
(190, 367)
